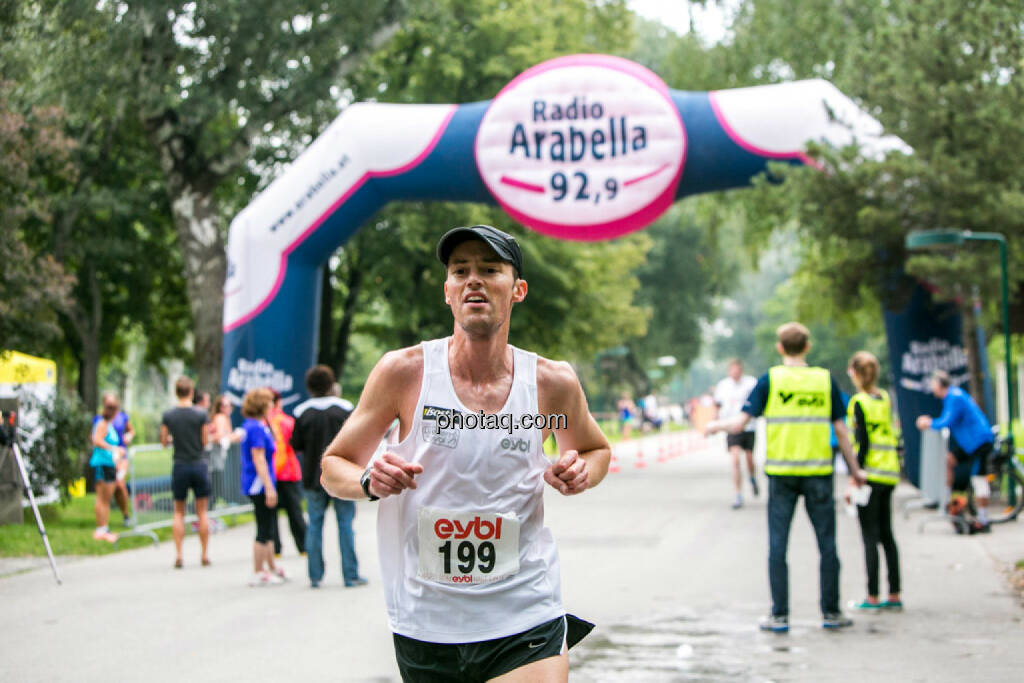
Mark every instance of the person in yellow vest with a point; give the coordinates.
(870, 413)
(798, 403)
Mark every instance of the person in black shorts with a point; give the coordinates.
(730, 395)
(184, 426)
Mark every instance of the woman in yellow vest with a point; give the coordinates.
(870, 412)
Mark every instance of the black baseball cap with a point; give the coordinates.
(503, 243)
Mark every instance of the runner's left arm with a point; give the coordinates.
(585, 452)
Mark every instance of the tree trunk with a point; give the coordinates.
(87, 327)
(200, 237)
(88, 372)
(341, 341)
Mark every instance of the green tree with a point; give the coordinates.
(109, 221)
(944, 76)
(216, 86)
(680, 283)
(34, 288)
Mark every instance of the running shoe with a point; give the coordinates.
(980, 528)
(774, 624)
(753, 485)
(892, 605)
(279, 573)
(264, 579)
(738, 503)
(358, 582)
(104, 535)
(866, 606)
(836, 620)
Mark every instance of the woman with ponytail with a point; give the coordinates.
(870, 411)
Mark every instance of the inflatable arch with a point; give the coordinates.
(585, 147)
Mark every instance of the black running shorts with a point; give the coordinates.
(420, 661)
(744, 440)
(190, 475)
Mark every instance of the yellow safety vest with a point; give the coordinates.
(797, 418)
(882, 464)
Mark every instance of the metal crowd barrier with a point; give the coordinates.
(149, 487)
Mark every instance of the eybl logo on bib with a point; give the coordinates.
(583, 147)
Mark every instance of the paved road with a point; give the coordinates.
(674, 579)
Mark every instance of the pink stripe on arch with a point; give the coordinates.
(522, 185)
(645, 176)
(369, 175)
(750, 147)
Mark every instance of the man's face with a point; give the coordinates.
(735, 371)
(481, 288)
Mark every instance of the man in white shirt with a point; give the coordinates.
(730, 394)
(470, 573)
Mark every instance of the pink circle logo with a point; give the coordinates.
(586, 147)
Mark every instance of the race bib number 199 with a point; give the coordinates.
(467, 547)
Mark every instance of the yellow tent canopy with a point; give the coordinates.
(21, 368)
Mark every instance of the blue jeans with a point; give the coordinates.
(783, 493)
(317, 502)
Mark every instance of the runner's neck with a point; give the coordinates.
(480, 361)
(794, 361)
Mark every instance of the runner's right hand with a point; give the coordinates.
(390, 475)
(271, 498)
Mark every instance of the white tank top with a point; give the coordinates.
(453, 569)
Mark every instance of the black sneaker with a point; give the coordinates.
(836, 620)
(774, 624)
(753, 485)
(980, 528)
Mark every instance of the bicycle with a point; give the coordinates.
(1006, 498)
(1006, 480)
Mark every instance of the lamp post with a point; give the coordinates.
(948, 239)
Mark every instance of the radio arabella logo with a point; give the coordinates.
(583, 147)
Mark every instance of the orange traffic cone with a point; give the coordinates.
(640, 464)
(614, 466)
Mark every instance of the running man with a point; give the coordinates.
(470, 572)
(730, 395)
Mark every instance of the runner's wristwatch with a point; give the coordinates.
(364, 481)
